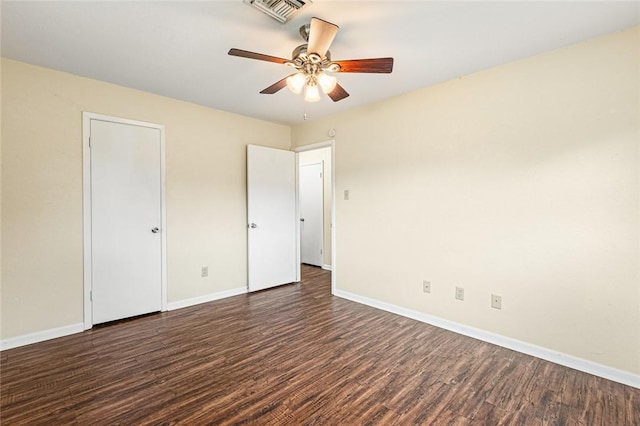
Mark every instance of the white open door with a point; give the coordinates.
(124, 254)
(311, 214)
(271, 213)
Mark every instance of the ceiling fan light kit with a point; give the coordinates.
(312, 61)
(311, 73)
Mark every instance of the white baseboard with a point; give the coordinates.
(41, 336)
(53, 333)
(560, 358)
(206, 298)
(326, 267)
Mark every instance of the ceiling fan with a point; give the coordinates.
(312, 61)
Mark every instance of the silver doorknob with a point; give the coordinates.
(155, 230)
(253, 225)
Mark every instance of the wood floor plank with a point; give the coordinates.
(294, 355)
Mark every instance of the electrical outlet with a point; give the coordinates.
(496, 301)
(426, 286)
(459, 293)
(204, 272)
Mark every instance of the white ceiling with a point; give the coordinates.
(179, 48)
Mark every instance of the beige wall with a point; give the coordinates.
(0, 201)
(42, 191)
(522, 181)
(316, 156)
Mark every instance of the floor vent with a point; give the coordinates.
(280, 10)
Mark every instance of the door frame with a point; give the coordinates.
(87, 214)
(325, 144)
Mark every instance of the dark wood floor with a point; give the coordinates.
(295, 355)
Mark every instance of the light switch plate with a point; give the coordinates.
(496, 301)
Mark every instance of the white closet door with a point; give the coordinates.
(311, 214)
(126, 198)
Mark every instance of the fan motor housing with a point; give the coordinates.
(302, 52)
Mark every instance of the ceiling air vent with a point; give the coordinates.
(280, 10)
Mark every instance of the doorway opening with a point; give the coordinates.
(316, 212)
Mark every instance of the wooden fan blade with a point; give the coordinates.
(338, 93)
(259, 56)
(275, 87)
(374, 65)
(321, 35)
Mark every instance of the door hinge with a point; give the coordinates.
(320, 251)
(320, 175)
(91, 295)
(89, 141)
